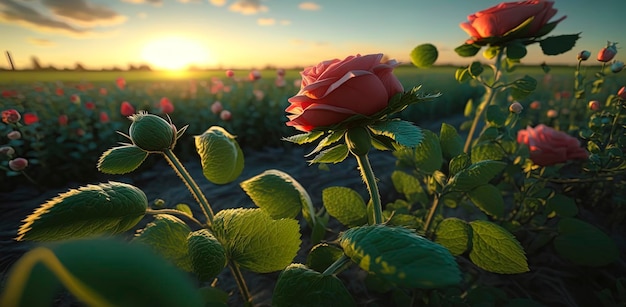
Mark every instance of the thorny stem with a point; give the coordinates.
(174, 212)
(615, 119)
(190, 183)
(241, 283)
(336, 265)
(431, 214)
(370, 181)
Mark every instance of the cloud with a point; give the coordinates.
(142, 15)
(13, 12)
(83, 12)
(218, 2)
(248, 7)
(41, 42)
(285, 22)
(153, 2)
(266, 21)
(309, 6)
(189, 1)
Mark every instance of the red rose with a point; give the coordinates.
(549, 146)
(63, 119)
(621, 93)
(607, 53)
(504, 17)
(334, 90)
(104, 117)
(30, 118)
(11, 116)
(127, 109)
(166, 105)
(18, 164)
(121, 83)
(90, 105)
(217, 107)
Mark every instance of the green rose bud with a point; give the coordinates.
(359, 141)
(151, 133)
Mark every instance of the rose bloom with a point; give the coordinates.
(337, 89)
(594, 105)
(166, 105)
(217, 107)
(535, 105)
(11, 116)
(127, 109)
(607, 53)
(90, 105)
(254, 75)
(552, 113)
(30, 118)
(622, 93)
(59, 91)
(121, 83)
(549, 146)
(280, 72)
(104, 117)
(75, 99)
(18, 164)
(63, 119)
(504, 17)
(14, 135)
(226, 115)
(103, 91)
(230, 73)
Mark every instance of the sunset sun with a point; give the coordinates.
(175, 53)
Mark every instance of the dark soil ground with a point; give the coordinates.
(551, 280)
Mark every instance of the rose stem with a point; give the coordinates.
(174, 212)
(615, 119)
(431, 214)
(372, 187)
(483, 105)
(243, 288)
(190, 183)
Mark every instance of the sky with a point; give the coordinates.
(170, 34)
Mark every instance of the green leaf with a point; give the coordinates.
(491, 52)
(256, 241)
(494, 249)
(334, 154)
(459, 163)
(304, 137)
(516, 50)
(424, 56)
(522, 87)
(469, 109)
(454, 234)
(121, 160)
(409, 186)
(475, 69)
(206, 254)
(475, 175)
(467, 50)
(276, 192)
(214, 297)
(106, 208)
(495, 117)
(561, 205)
(488, 199)
(427, 156)
(121, 273)
(184, 208)
(403, 132)
(331, 138)
(318, 227)
(322, 256)
(462, 75)
(554, 45)
(221, 157)
(298, 285)
(400, 256)
(450, 141)
(584, 244)
(167, 235)
(486, 151)
(346, 205)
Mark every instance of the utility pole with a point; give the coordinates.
(10, 60)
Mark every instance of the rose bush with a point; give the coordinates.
(337, 89)
(504, 17)
(549, 146)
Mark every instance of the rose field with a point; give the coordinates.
(359, 181)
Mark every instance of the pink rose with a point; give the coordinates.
(504, 17)
(549, 146)
(337, 89)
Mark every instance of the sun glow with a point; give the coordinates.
(176, 53)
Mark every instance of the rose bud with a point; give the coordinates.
(516, 108)
(254, 75)
(7, 150)
(622, 93)
(151, 133)
(18, 164)
(127, 109)
(14, 135)
(225, 115)
(217, 107)
(280, 72)
(75, 99)
(230, 73)
(594, 105)
(552, 113)
(583, 55)
(11, 116)
(617, 66)
(607, 53)
(63, 119)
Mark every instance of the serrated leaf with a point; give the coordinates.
(322, 256)
(121, 273)
(554, 45)
(450, 141)
(486, 151)
(221, 157)
(167, 235)
(304, 138)
(256, 241)
(331, 138)
(475, 175)
(106, 208)
(276, 192)
(494, 249)
(495, 116)
(403, 132)
(409, 186)
(467, 50)
(459, 163)
(346, 205)
(454, 234)
(426, 157)
(298, 285)
(561, 205)
(584, 244)
(424, 56)
(207, 256)
(488, 199)
(334, 154)
(121, 160)
(400, 256)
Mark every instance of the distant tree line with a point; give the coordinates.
(36, 66)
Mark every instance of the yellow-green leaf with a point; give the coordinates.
(494, 249)
(207, 255)
(221, 157)
(167, 235)
(121, 160)
(454, 234)
(276, 192)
